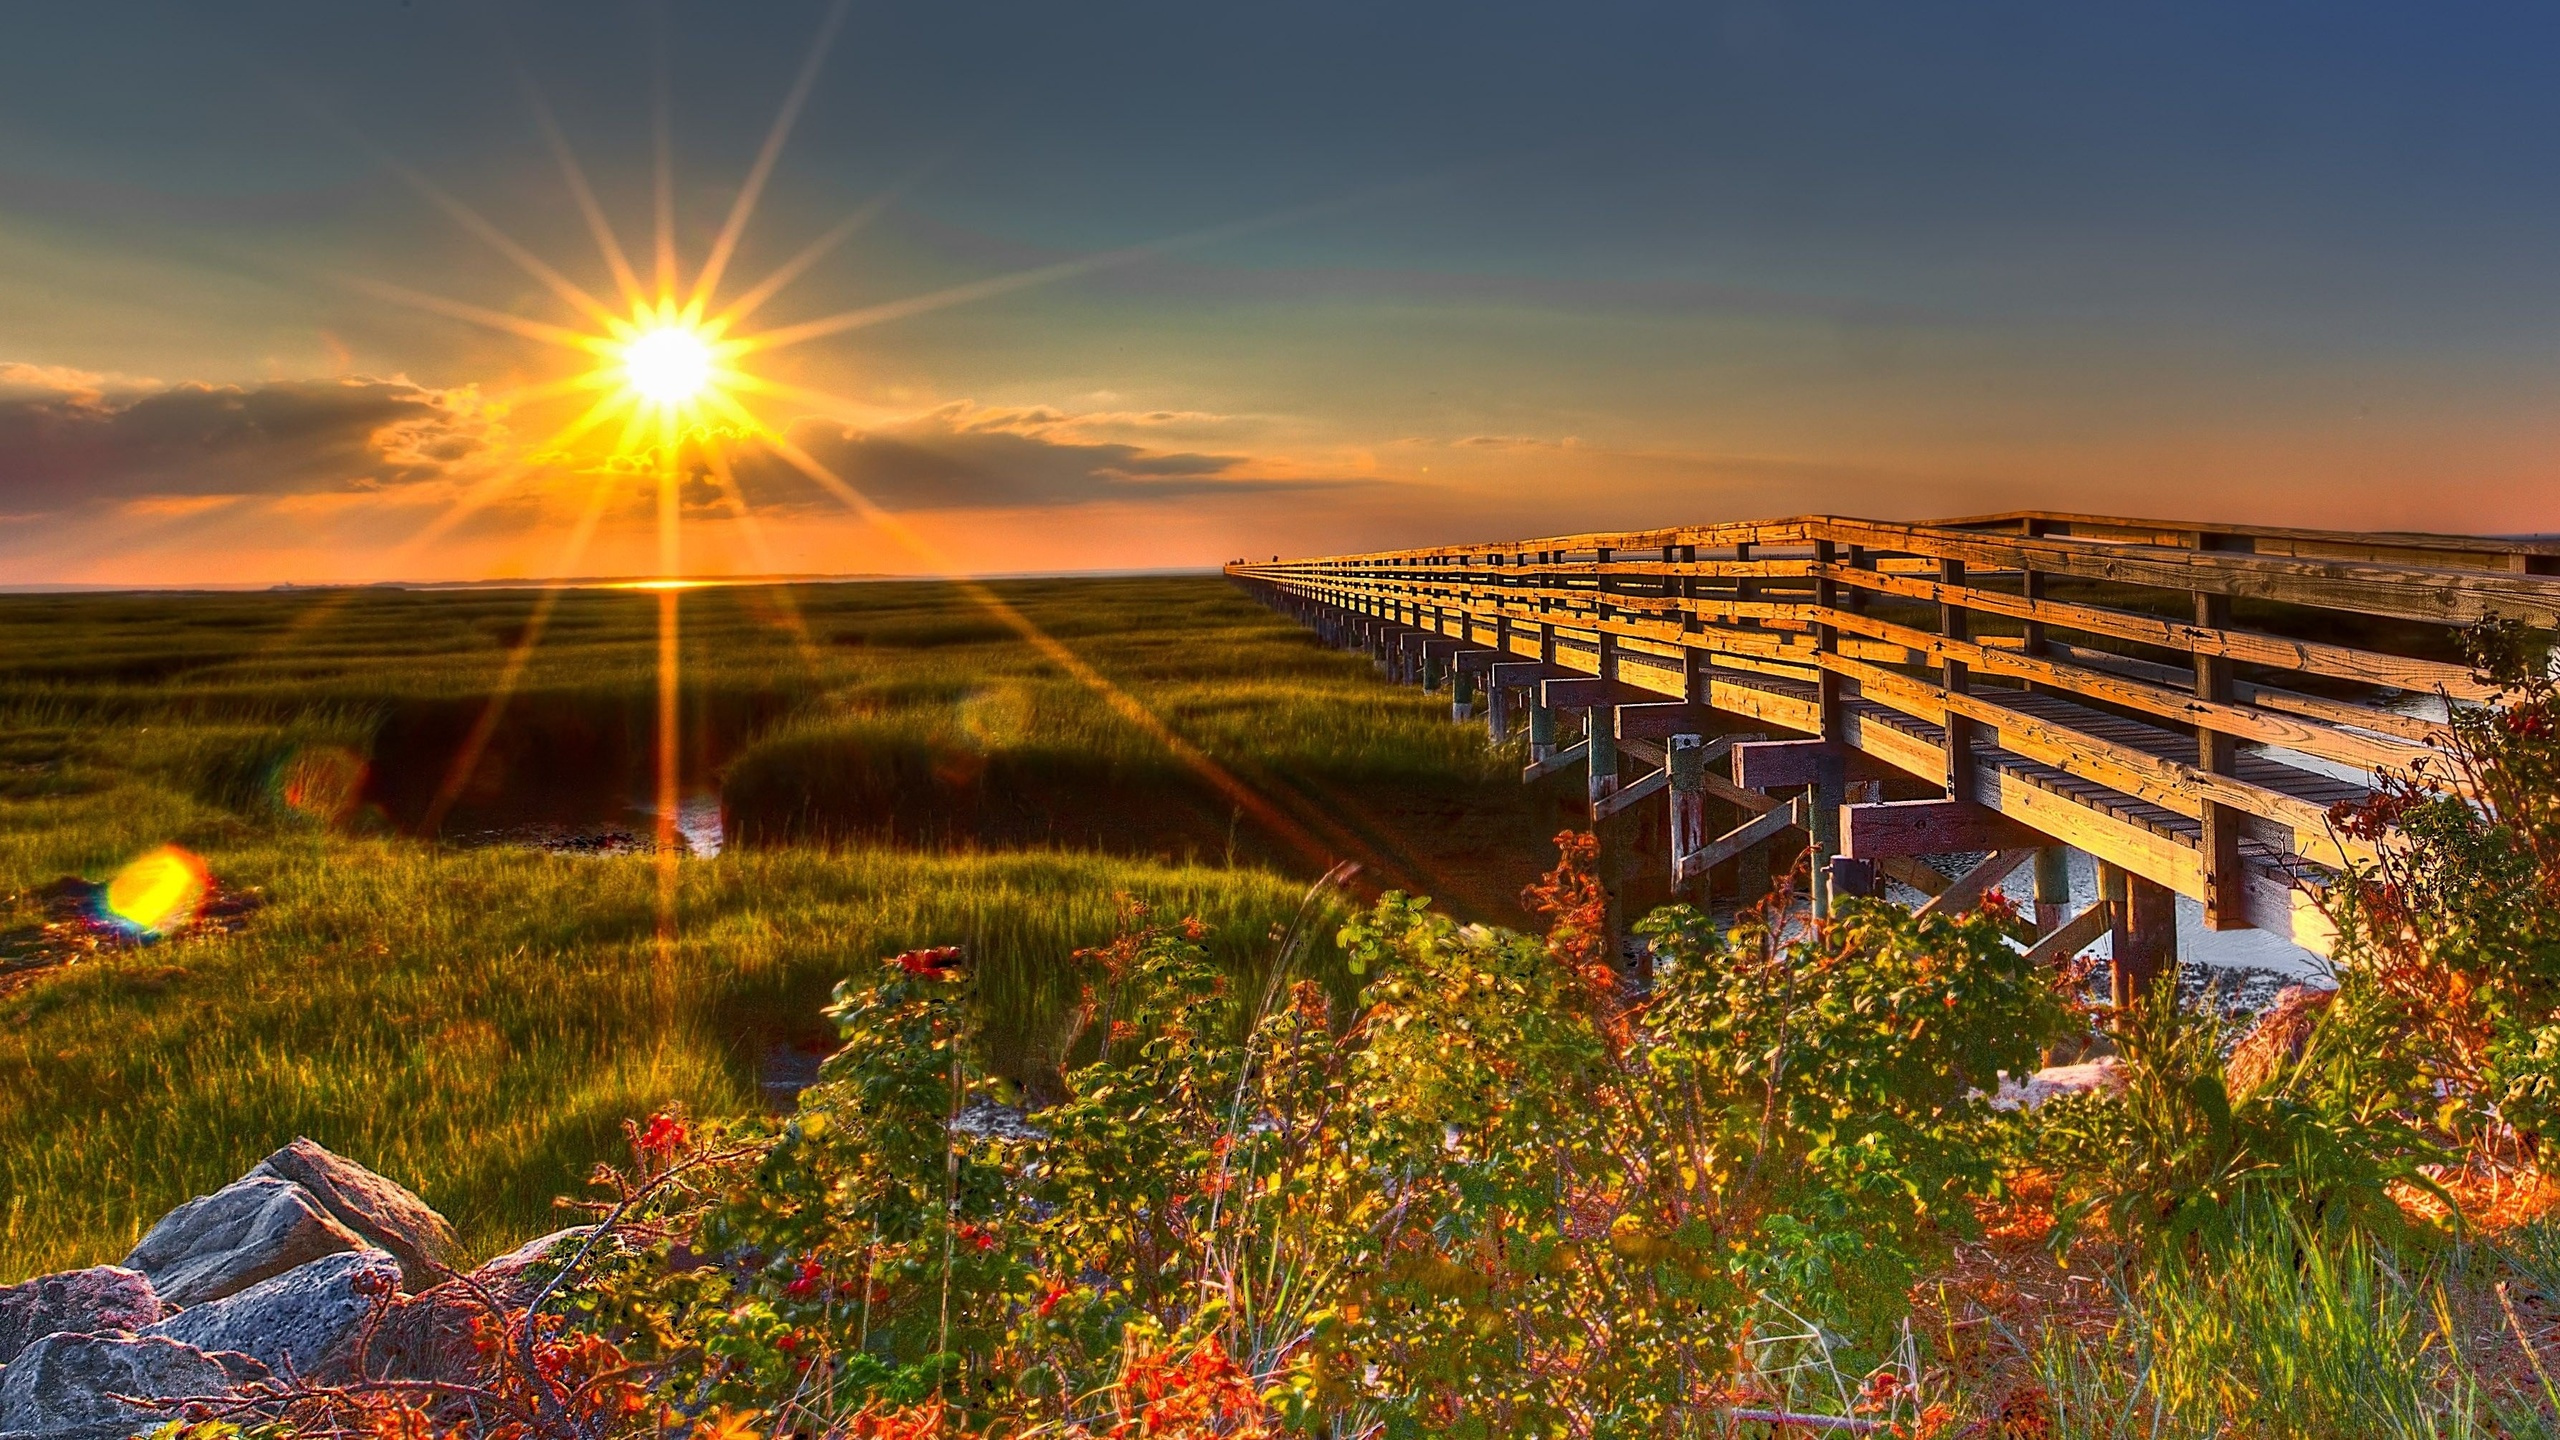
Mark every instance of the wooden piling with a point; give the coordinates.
(2053, 888)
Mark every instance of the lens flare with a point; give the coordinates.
(159, 892)
(668, 365)
(321, 782)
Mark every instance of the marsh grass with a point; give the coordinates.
(2286, 1330)
(479, 1021)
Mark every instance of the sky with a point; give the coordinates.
(284, 286)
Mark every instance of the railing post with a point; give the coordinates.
(1956, 677)
(2225, 903)
(1831, 772)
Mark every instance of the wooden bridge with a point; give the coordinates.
(2186, 703)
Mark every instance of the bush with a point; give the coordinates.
(1499, 1197)
(2188, 1150)
(2450, 944)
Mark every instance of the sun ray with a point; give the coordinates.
(1245, 797)
(473, 221)
(466, 761)
(792, 269)
(663, 145)
(489, 488)
(574, 176)
(838, 406)
(767, 156)
(1006, 284)
(734, 496)
(541, 330)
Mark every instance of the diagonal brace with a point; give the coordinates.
(1570, 755)
(1975, 883)
(1751, 832)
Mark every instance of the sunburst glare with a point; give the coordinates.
(668, 366)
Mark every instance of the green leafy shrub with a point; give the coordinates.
(1497, 1197)
(2185, 1152)
(2450, 943)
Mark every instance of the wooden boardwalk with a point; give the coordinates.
(2184, 702)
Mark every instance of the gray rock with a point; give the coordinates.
(62, 1386)
(2104, 1076)
(225, 1242)
(987, 1120)
(431, 1335)
(508, 1277)
(303, 1322)
(381, 1210)
(104, 1297)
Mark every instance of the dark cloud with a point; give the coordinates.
(67, 440)
(70, 440)
(957, 459)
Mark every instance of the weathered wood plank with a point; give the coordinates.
(1929, 827)
(1568, 756)
(1733, 842)
(2250, 647)
(1628, 795)
(1659, 721)
(1977, 882)
(1785, 764)
(2076, 935)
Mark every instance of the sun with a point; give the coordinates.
(668, 365)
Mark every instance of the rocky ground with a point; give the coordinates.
(308, 1268)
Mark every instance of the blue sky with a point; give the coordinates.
(1513, 270)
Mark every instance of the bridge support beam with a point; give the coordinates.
(1830, 796)
(2142, 930)
(1542, 734)
(1929, 827)
(1788, 764)
(1599, 727)
(2053, 888)
(1684, 760)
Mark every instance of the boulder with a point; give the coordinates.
(220, 1244)
(2105, 1074)
(104, 1297)
(62, 1386)
(509, 1276)
(2276, 1042)
(303, 1322)
(381, 1210)
(428, 1336)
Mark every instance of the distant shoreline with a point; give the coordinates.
(587, 582)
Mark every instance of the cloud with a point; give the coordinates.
(1517, 442)
(325, 449)
(965, 457)
(69, 439)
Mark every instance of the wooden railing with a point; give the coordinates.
(2186, 702)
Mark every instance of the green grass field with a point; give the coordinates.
(898, 767)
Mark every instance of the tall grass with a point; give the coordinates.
(2285, 1330)
(479, 1022)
